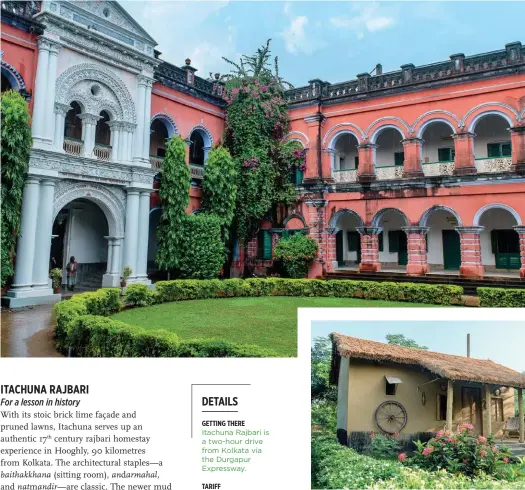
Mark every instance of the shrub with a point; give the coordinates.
(382, 446)
(461, 452)
(499, 297)
(126, 273)
(296, 254)
(56, 277)
(138, 295)
(324, 414)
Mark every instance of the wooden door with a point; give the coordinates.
(471, 408)
(451, 250)
(402, 253)
(339, 251)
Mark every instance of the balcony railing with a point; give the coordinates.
(343, 176)
(73, 146)
(22, 8)
(102, 152)
(433, 169)
(493, 165)
(196, 172)
(389, 173)
(156, 162)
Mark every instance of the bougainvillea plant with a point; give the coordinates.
(256, 122)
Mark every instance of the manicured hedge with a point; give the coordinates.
(499, 297)
(83, 329)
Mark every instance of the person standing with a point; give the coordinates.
(71, 268)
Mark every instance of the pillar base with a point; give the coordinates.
(522, 273)
(465, 171)
(369, 267)
(366, 177)
(472, 271)
(518, 168)
(315, 270)
(18, 298)
(417, 269)
(413, 174)
(111, 281)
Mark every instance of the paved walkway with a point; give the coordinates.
(28, 332)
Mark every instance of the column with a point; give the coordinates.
(488, 406)
(520, 230)
(115, 258)
(116, 140)
(412, 148)
(470, 251)
(142, 248)
(61, 111)
(141, 107)
(331, 255)
(314, 164)
(517, 135)
(367, 162)
(450, 404)
(147, 124)
(89, 126)
(464, 147)
(316, 222)
(132, 230)
(39, 107)
(521, 416)
(25, 251)
(369, 249)
(49, 121)
(44, 229)
(417, 250)
(110, 253)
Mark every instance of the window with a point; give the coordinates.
(441, 407)
(264, 245)
(399, 158)
(497, 409)
(502, 149)
(196, 148)
(391, 385)
(446, 154)
(297, 176)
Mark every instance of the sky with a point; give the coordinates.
(333, 41)
(503, 343)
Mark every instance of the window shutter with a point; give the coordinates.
(393, 241)
(506, 149)
(493, 150)
(352, 237)
(260, 244)
(286, 234)
(445, 154)
(267, 252)
(399, 158)
(381, 240)
(299, 177)
(494, 241)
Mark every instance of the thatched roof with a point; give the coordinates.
(445, 365)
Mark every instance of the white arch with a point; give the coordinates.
(436, 111)
(171, 125)
(377, 218)
(481, 115)
(482, 210)
(342, 212)
(112, 207)
(521, 115)
(205, 133)
(380, 129)
(430, 211)
(299, 135)
(359, 134)
(98, 73)
(427, 123)
(15, 79)
(337, 135)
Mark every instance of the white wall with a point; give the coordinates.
(86, 233)
(389, 142)
(436, 135)
(489, 129)
(438, 221)
(493, 219)
(390, 221)
(346, 151)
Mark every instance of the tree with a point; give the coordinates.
(320, 369)
(16, 145)
(256, 122)
(174, 193)
(400, 339)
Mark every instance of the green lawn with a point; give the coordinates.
(269, 322)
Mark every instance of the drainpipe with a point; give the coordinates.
(319, 140)
(468, 345)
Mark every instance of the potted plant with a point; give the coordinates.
(125, 274)
(56, 279)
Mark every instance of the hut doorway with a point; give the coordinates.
(471, 407)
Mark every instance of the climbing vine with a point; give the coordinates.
(256, 122)
(16, 145)
(174, 193)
